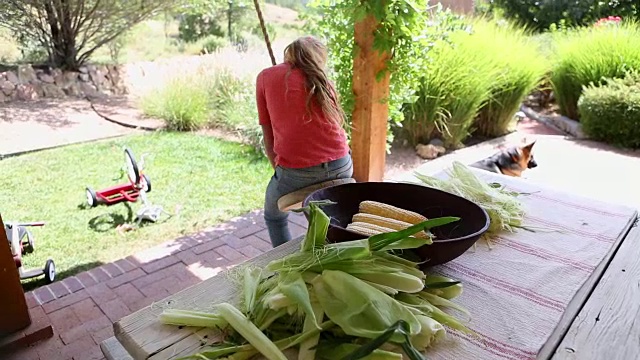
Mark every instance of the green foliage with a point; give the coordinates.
(201, 18)
(519, 68)
(69, 32)
(212, 44)
(406, 32)
(541, 14)
(297, 5)
(197, 26)
(611, 112)
(589, 55)
(474, 83)
(183, 103)
(453, 88)
(207, 98)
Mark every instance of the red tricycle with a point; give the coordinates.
(126, 192)
(21, 242)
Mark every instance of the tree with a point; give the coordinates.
(71, 30)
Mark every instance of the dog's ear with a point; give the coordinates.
(527, 148)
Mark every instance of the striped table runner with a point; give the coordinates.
(518, 290)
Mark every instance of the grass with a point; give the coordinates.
(455, 86)
(587, 55)
(201, 180)
(519, 67)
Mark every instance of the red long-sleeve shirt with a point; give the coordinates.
(300, 139)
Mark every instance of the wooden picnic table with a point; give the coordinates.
(599, 321)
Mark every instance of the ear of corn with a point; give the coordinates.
(367, 229)
(392, 212)
(386, 222)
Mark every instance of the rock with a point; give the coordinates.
(26, 92)
(46, 78)
(7, 87)
(3, 98)
(73, 90)
(52, 91)
(83, 69)
(95, 77)
(84, 77)
(429, 151)
(12, 77)
(88, 89)
(26, 74)
(437, 142)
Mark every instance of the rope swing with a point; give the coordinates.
(264, 31)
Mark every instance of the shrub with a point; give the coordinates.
(589, 55)
(234, 107)
(611, 112)
(541, 14)
(455, 85)
(519, 68)
(183, 103)
(196, 26)
(211, 44)
(212, 97)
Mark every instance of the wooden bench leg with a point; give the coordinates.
(113, 350)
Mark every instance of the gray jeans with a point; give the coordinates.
(286, 180)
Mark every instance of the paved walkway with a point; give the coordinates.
(47, 123)
(82, 308)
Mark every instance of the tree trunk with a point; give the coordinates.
(229, 20)
(63, 41)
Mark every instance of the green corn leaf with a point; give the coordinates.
(407, 243)
(318, 225)
(400, 327)
(251, 282)
(380, 241)
(440, 285)
(359, 308)
(295, 289)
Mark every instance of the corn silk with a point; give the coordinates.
(506, 212)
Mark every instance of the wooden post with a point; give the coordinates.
(13, 305)
(371, 111)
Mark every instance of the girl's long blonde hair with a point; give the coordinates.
(309, 54)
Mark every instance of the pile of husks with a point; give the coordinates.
(352, 300)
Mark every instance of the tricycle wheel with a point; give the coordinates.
(145, 183)
(132, 167)
(49, 271)
(92, 199)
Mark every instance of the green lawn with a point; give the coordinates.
(201, 180)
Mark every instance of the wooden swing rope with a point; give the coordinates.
(264, 31)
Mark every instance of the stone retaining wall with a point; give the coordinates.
(28, 83)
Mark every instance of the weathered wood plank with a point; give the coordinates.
(144, 337)
(113, 350)
(371, 111)
(608, 325)
(582, 296)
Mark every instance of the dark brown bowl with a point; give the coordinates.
(452, 240)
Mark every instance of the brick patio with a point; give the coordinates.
(82, 308)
